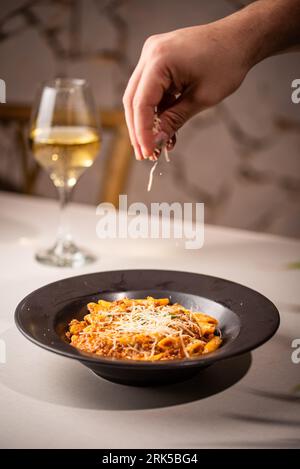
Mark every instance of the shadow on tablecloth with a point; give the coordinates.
(44, 376)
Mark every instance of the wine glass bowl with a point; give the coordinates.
(65, 140)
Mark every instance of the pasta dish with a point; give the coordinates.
(144, 329)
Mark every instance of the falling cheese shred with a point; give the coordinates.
(156, 129)
(145, 329)
(150, 182)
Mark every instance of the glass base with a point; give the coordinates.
(65, 254)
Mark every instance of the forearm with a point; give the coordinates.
(267, 27)
(205, 64)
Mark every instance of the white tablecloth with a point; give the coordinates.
(50, 401)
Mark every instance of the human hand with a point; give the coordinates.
(181, 73)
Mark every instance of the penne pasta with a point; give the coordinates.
(148, 329)
(212, 345)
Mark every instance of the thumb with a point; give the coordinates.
(173, 118)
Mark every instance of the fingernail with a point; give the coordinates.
(157, 152)
(160, 139)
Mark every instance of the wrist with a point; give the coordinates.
(265, 28)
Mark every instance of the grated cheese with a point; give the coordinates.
(140, 329)
(151, 176)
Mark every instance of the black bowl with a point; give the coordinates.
(247, 319)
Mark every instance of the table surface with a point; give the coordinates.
(49, 401)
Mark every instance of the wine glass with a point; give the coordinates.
(65, 140)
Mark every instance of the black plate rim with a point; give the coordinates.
(220, 354)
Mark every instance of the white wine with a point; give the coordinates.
(65, 140)
(65, 151)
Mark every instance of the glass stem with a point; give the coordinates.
(64, 233)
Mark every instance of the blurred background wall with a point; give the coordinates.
(241, 158)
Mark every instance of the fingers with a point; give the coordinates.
(151, 87)
(149, 93)
(127, 102)
(146, 91)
